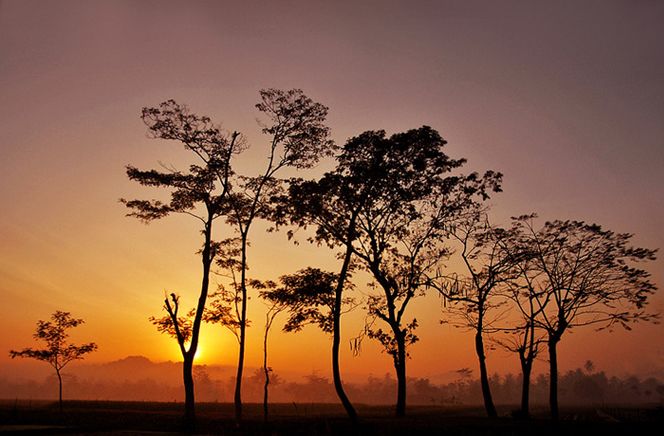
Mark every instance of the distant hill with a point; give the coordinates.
(131, 368)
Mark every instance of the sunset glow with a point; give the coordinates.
(565, 99)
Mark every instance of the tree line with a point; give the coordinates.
(398, 207)
(581, 386)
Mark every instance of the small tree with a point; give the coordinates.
(524, 337)
(524, 340)
(274, 309)
(58, 353)
(309, 298)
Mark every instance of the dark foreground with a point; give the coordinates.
(144, 418)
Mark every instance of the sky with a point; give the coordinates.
(565, 98)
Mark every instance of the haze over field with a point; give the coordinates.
(565, 98)
(136, 378)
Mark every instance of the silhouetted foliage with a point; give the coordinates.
(415, 201)
(308, 297)
(178, 327)
(298, 139)
(474, 296)
(387, 202)
(201, 192)
(58, 352)
(584, 276)
(523, 337)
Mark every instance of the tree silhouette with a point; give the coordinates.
(58, 352)
(174, 325)
(298, 139)
(387, 203)
(308, 297)
(399, 242)
(331, 204)
(586, 277)
(273, 310)
(224, 307)
(475, 295)
(524, 340)
(200, 192)
(523, 337)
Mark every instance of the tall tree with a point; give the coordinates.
(587, 277)
(388, 202)
(418, 200)
(201, 192)
(298, 139)
(332, 205)
(58, 352)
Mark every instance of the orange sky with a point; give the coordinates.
(565, 99)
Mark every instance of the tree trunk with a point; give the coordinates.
(189, 401)
(526, 368)
(243, 336)
(265, 394)
(400, 366)
(336, 337)
(484, 376)
(188, 356)
(266, 370)
(553, 377)
(57, 371)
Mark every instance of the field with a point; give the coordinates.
(148, 418)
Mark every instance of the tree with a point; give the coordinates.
(332, 205)
(387, 203)
(416, 201)
(399, 230)
(58, 352)
(308, 297)
(523, 337)
(474, 295)
(200, 192)
(586, 277)
(273, 310)
(298, 139)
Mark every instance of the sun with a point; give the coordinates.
(200, 353)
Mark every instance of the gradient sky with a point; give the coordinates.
(566, 98)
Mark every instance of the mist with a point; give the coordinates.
(136, 378)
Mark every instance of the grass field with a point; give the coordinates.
(149, 418)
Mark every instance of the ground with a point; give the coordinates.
(147, 418)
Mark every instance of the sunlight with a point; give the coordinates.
(200, 353)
